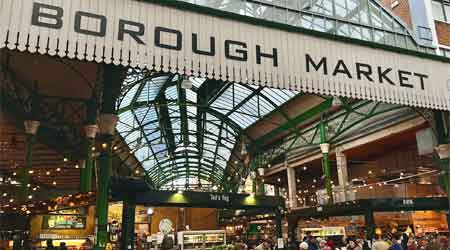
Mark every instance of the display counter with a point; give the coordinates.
(205, 240)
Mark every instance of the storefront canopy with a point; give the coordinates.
(224, 46)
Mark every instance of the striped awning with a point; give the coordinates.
(212, 44)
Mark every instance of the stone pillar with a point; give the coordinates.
(292, 186)
(341, 161)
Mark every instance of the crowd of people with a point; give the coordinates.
(382, 242)
(401, 241)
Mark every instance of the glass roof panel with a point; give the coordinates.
(175, 139)
(342, 17)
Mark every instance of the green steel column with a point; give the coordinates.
(128, 219)
(370, 225)
(90, 130)
(326, 162)
(442, 139)
(88, 169)
(105, 160)
(112, 80)
(278, 225)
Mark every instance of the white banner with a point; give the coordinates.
(139, 34)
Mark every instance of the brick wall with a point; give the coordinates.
(443, 32)
(401, 10)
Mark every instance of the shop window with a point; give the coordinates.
(445, 52)
(441, 10)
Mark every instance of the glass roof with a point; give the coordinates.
(185, 138)
(360, 19)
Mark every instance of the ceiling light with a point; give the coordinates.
(336, 101)
(186, 83)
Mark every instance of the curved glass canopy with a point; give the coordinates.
(187, 137)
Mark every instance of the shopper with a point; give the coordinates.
(411, 244)
(397, 242)
(50, 245)
(167, 243)
(380, 244)
(405, 239)
(87, 245)
(352, 245)
(264, 245)
(62, 246)
(323, 245)
(312, 243)
(303, 246)
(331, 244)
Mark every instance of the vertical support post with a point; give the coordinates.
(90, 130)
(325, 147)
(292, 232)
(31, 128)
(112, 78)
(128, 220)
(443, 151)
(278, 225)
(370, 225)
(292, 186)
(342, 171)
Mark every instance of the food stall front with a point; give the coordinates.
(72, 226)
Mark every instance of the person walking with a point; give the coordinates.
(50, 245)
(397, 243)
(303, 246)
(62, 246)
(380, 244)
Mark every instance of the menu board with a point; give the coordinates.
(65, 219)
(64, 222)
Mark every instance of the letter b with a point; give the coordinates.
(38, 14)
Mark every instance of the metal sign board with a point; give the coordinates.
(153, 35)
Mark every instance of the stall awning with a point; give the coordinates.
(165, 35)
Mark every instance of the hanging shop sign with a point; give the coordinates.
(143, 34)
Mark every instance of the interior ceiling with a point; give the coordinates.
(50, 170)
(192, 138)
(53, 76)
(360, 155)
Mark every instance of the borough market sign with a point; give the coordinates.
(139, 34)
